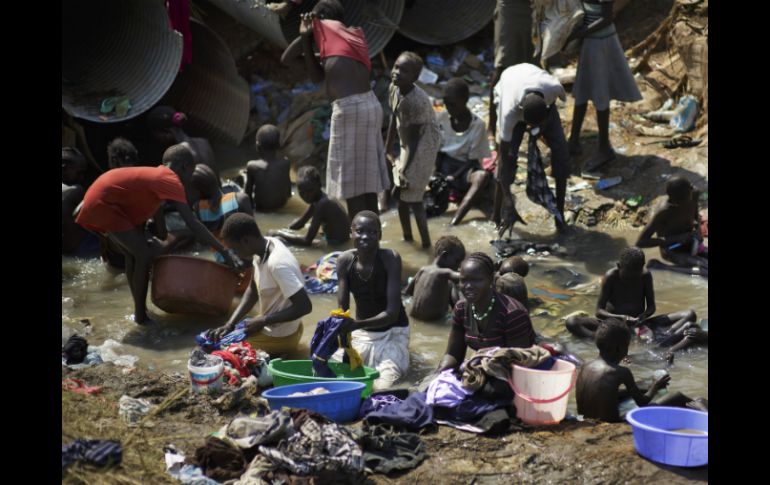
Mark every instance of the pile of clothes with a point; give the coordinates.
(321, 276)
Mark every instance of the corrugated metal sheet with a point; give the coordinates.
(378, 18)
(210, 91)
(441, 22)
(116, 48)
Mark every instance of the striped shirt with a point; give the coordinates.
(509, 323)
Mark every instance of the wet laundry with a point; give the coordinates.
(497, 362)
(241, 358)
(446, 390)
(100, 453)
(237, 335)
(386, 450)
(75, 350)
(321, 276)
(327, 339)
(232, 398)
(219, 460)
(312, 392)
(412, 413)
(199, 358)
(316, 448)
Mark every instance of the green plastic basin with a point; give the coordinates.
(287, 372)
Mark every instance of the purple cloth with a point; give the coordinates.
(375, 403)
(412, 413)
(446, 390)
(324, 343)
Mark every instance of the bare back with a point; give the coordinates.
(596, 390)
(432, 293)
(345, 77)
(269, 182)
(674, 219)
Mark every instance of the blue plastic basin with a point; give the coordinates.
(655, 440)
(340, 404)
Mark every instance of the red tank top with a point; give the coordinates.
(333, 38)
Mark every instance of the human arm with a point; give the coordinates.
(204, 235)
(456, 347)
(249, 299)
(603, 21)
(249, 189)
(244, 203)
(303, 46)
(641, 399)
(300, 306)
(649, 297)
(412, 135)
(343, 284)
(409, 290)
(300, 222)
(608, 282)
(307, 239)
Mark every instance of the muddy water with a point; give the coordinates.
(88, 291)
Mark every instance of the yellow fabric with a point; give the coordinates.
(276, 346)
(355, 358)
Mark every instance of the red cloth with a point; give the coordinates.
(241, 356)
(124, 198)
(333, 38)
(179, 17)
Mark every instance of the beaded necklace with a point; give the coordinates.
(486, 313)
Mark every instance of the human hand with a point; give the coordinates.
(391, 159)
(450, 178)
(348, 326)
(296, 225)
(255, 324)
(281, 8)
(696, 333)
(632, 321)
(402, 181)
(306, 23)
(508, 217)
(217, 334)
(661, 383)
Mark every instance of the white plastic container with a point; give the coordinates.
(542, 395)
(206, 380)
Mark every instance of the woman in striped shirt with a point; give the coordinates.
(485, 318)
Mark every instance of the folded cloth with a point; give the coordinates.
(412, 413)
(498, 362)
(446, 390)
(375, 403)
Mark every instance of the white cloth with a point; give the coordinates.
(471, 144)
(277, 280)
(387, 351)
(515, 82)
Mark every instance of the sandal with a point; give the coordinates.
(682, 141)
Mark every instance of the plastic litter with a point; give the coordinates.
(132, 410)
(604, 184)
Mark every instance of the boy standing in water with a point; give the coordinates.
(325, 213)
(627, 294)
(268, 184)
(433, 286)
(418, 132)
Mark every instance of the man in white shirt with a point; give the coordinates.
(526, 102)
(278, 286)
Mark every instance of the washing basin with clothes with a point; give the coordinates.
(286, 372)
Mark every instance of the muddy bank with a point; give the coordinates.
(573, 452)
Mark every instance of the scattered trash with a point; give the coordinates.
(108, 353)
(80, 387)
(565, 75)
(634, 201)
(120, 104)
(231, 399)
(457, 59)
(664, 114)
(75, 350)
(579, 186)
(604, 184)
(132, 410)
(187, 474)
(591, 175)
(435, 62)
(682, 141)
(686, 114)
(661, 131)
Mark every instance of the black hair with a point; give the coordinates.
(309, 174)
(612, 333)
(178, 153)
(449, 244)
(484, 260)
(329, 10)
(123, 150)
(513, 285)
(71, 156)
(515, 264)
(534, 109)
(457, 88)
(268, 137)
(632, 258)
(678, 188)
(413, 58)
(240, 225)
(162, 118)
(367, 215)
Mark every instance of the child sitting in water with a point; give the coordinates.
(627, 294)
(418, 132)
(325, 213)
(598, 383)
(677, 224)
(510, 279)
(514, 264)
(267, 180)
(433, 286)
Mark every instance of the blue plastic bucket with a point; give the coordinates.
(656, 440)
(340, 404)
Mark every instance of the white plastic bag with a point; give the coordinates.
(553, 22)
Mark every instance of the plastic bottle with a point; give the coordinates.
(609, 182)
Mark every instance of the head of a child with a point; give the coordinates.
(631, 264)
(241, 233)
(268, 139)
(407, 69)
(329, 10)
(513, 285)
(612, 340)
(309, 184)
(534, 110)
(366, 231)
(678, 189)
(179, 158)
(122, 153)
(205, 183)
(514, 264)
(166, 124)
(449, 252)
(73, 166)
(456, 94)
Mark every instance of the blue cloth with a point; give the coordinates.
(192, 475)
(314, 286)
(474, 407)
(412, 413)
(375, 403)
(326, 268)
(94, 452)
(237, 335)
(324, 343)
(546, 364)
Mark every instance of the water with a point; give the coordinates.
(90, 292)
